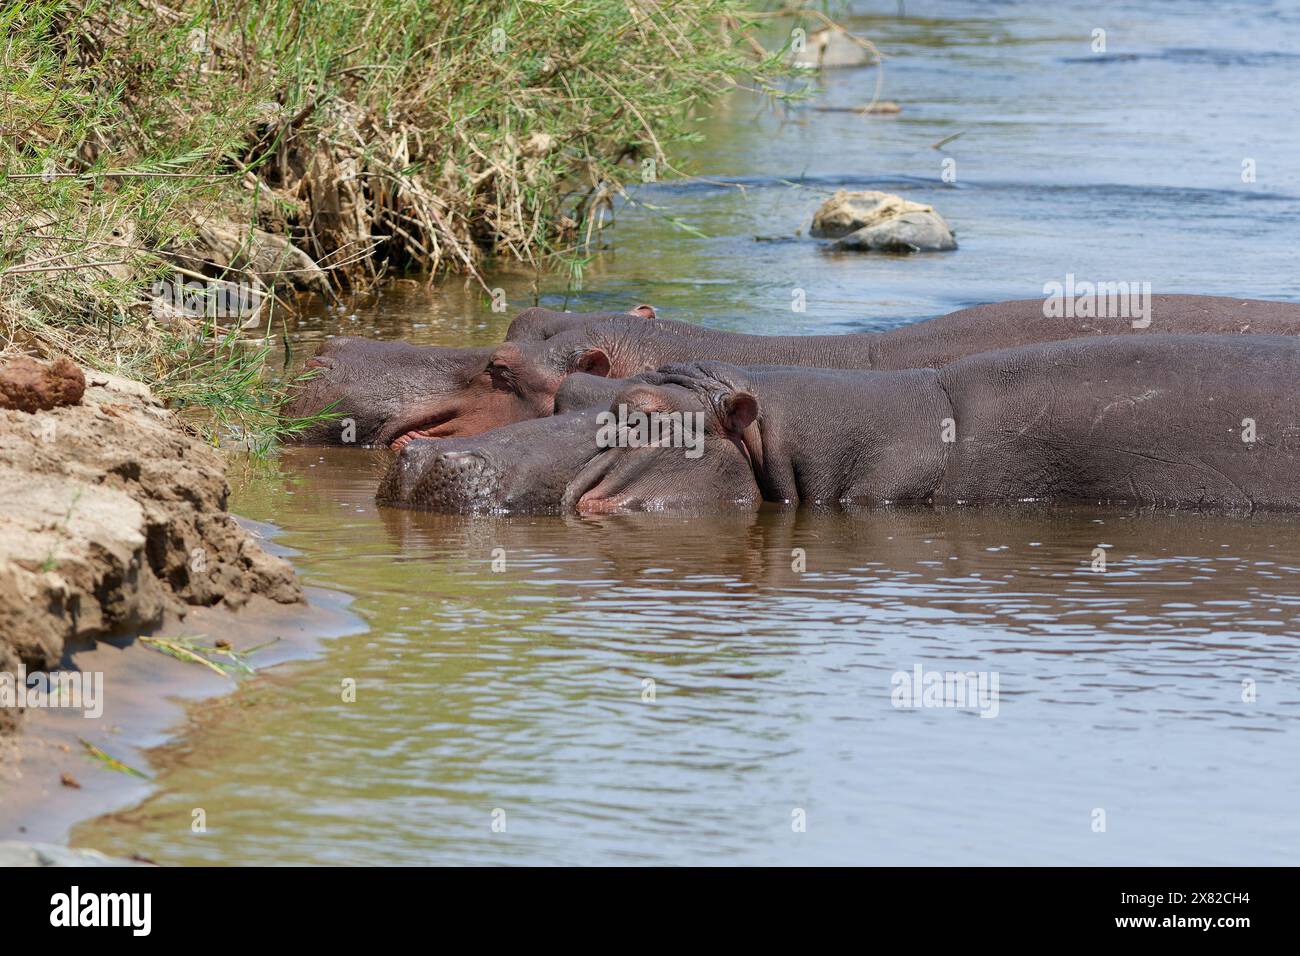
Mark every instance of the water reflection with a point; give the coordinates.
(524, 689)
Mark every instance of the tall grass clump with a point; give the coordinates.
(148, 140)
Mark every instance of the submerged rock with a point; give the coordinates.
(881, 222)
(878, 108)
(832, 49)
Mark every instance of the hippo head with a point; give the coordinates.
(537, 324)
(522, 467)
(592, 459)
(391, 393)
(535, 369)
(683, 438)
(687, 451)
(387, 392)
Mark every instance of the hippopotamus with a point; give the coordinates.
(625, 346)
(1170, 420)
(458, 392)
(523, 467)
(390, 392)
(394, 393)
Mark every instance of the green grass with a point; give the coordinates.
(110, 762)
(220, 660)
(380, 136)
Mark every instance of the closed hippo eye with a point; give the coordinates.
(500, 374)
(645, 399)
(319, 361)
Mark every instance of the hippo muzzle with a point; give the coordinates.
(523, 467)
(429, 476)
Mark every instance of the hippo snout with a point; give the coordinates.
(459, 477)
(427, 476)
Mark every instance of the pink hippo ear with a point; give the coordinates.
(739, 410)
(645, 311)
(594, 361)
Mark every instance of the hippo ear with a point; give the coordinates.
(594, 361)
(739, 410)
(645, 311)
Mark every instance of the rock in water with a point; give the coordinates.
(830, 49)
(27, 385)
(881, 222)
(910, 232)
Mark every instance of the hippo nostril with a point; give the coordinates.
(456, 481)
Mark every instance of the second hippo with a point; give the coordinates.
(1171, 420)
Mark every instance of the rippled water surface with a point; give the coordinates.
(1160, 692)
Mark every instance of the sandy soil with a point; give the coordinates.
(113, 526)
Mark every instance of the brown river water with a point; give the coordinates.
(728, 688)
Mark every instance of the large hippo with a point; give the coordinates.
(623, 347)
(390, 392)
(1175, 420)
(455, 392)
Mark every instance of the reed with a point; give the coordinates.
(377, 136)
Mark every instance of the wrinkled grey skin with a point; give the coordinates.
(391, 389)
(1150, 420)
(384, 390)
(623, 346)
(380, 389)
(580, 390)
(522, 467)
(1142, 419)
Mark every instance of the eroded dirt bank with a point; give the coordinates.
(112, 519)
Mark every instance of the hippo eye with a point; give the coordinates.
(501, 374)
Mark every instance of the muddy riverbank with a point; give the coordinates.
(49, 777)
(114, 525)
(112, 516)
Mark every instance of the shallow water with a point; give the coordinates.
(1161, 691)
